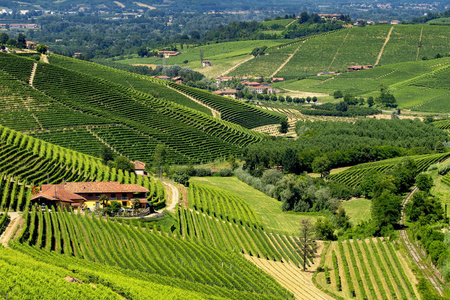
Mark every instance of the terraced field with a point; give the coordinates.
(367, 269)
(67, 238)
(100, 112)
(26, 162)
(354, 175)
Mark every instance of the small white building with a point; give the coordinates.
(139, 168)
(206, 63)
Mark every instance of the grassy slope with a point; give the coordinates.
(218, 54)
(268, 209)
(357, 209)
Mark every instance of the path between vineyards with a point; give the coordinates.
(14, 222)
(215, 113)
(433, 275)
(290, 277)
(175, 195)
(384, 45)
(287, 60)
(237, 65)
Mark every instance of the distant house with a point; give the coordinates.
(178, 79)
(168, 54)
(226, 92)
(277, 79)
(77, 54)
(383, 22)
(30, 45)
(206, 63)
(139, 168)
(330, 16)
(358, 68)
(223, 79)
(260, 89)
(87, 194)
(395, 22)
(250, 83)
(370, 23)
(326, 73)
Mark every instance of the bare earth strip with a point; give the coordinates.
(174, 197)
(290, 23)
(287, 60)
(237, 65)
(144, 5)
(214, 112)
(337, 51)
(384, 45)
(119, 4)
(291, 277)
(433, 275)
(7, 235)
(419, 44)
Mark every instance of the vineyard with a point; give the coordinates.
(336, 51)
(366, 269)
(26, 162)
(145, 254)
(354, 175)
(99, 113)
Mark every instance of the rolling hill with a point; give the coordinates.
(84, 112)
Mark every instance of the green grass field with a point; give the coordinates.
(267, 209)
(357, 209)
(219, 54)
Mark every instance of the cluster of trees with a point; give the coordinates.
(385, 98)
(431, 16)
(251, 95)
(259, 51)
(20, 42)
(341, 109)
(323, 145)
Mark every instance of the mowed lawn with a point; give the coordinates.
(267, 208)
(357, 209)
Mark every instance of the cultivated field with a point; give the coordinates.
(367, 269)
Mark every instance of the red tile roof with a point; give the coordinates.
(103, 187)
(138, 165)
(56, 192)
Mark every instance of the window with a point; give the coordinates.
(113, 196)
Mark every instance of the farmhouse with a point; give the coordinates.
(30, 45)
(168, 54)
(260, 89)
(395, 22)
(139, 168)
(330, 16)
(250, 83)
(206, 63)
(277, 79)
(163, 77)
(226, 92)
(358, 68)
(223, 79)
(87, 194)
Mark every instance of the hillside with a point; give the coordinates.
(370, 45)
(26, 162)
(63, 106)
(420, 86)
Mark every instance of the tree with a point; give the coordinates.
(11, 42)
(106, 154)
(342, 106)
(338, 94)
(159, 158)
(21, 41)
(284, 126)
(424, 182)
(370, 101)
(308, 99)
(440, 147)
(424, 208)
(290, 162)
(321, 165)
(314, 99)
(232, 162)
(386, 209)
(41, 48)
(281, 99)
(4, 38)
(306, 245)
(103, 200)
(324, 229)
(112, 208)
(136, 203)
(386, 98)
(121, 162)
(273, 98)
